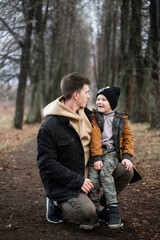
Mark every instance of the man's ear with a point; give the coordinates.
(75, 95)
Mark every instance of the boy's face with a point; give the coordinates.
(102, 104)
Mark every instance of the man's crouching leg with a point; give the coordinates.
(80, 210)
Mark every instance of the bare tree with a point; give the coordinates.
(11, 32)
(28, 11)
(154, 63)
(50, 40)
(120, 45)
(68, 46)
(123, 51)
(138, 110)
(38, 65)
(108, 43)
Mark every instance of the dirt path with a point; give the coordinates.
(22, 199)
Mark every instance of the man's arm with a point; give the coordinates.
(48, 164)
(87, 185)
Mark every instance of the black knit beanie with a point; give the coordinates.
(112, 95)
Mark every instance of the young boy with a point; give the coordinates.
(111, 144)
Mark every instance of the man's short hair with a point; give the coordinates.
(73, 82)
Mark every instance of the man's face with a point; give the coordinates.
(83, 96)
(102, 104)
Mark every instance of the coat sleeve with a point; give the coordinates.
(96, 145)
(48, 164)
(127, 144)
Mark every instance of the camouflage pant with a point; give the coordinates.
(104, 178)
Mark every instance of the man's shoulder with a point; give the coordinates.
(54, 120)
(50, 118)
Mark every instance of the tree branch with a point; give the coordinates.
(16, 37)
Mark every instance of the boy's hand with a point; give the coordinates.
(98, 165)
(127, 163)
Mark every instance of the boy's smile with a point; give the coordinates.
(103, 104)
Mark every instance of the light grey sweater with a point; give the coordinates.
(107, 136)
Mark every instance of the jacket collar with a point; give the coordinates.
(64, 120)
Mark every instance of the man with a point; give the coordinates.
(63, 152)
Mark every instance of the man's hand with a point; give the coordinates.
(98, 165)
(127, 163)
(87, 185)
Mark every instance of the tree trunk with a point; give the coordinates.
(133, 78)
(34, 113)
(104, 48)
(155, 84)
(139, 114)
(123, 61)
(19, 110)
(114, 62)
(55, 51)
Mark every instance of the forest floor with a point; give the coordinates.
(22, 198)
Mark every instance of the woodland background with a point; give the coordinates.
(112, 42)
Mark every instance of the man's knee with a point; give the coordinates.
(121, 173)
(87, 206)
(79, 209)
(127, 176)
(122, 177)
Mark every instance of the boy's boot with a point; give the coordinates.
(110, 216)
(103, 215)
(114, 221)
